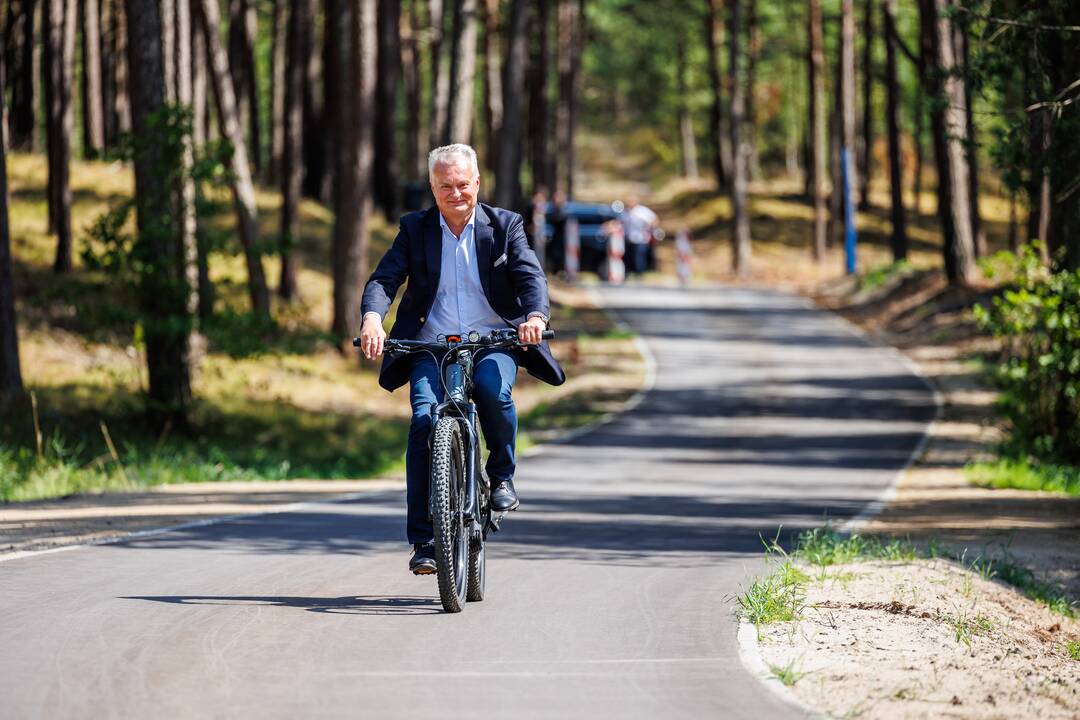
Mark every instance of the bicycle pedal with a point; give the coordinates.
(494, 520)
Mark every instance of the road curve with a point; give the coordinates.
(609, 591)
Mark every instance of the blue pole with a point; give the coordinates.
(850, 234)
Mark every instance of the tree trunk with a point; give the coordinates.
(508, 172)
(318, 154)
(335, 58)
(38, 62)
(59, 123)
(167, 8)
(353, 196)
(19, 75)
(719, 125)
(410, 62)
(463, 72)
(186, 183)
(291, 160)
(847, 98)
(277, 88)
(892, 118)
(740, 224)
(753, 33)
(199, 124)
(493, 94)
(950, 128)
(242, 29)
(539, 107)
(386, 93)
(1038, 188)
(971, 144)
(440, 73)
(162, 298)
(24, 99)
(1063, 236)
(687, 143)
(121, 100)
(866, 148)
(836, 132)
(819, 141)
(920, 121)
(570, 21)
(242, 188)
(10, 373)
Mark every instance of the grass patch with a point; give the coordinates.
(1023, 580)
(1072, 649)
(102, 443)
(824, 546)
(1022, 474)
(878, 276)
(965, 628)
(787, 674)
(779, 597)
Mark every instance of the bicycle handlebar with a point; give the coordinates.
(497, 338)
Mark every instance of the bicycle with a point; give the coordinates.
(461, 514)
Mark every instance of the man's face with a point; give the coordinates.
(455, 188)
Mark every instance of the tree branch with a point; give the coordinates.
(1017, 23)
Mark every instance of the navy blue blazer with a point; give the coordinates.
(514, 286)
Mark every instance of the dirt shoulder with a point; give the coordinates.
(604, 370)
(924, 639)
(933, 326)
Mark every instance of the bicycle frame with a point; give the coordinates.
(457, 389)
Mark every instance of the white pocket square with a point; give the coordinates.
(500, 261)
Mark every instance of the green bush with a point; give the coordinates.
(1038, 321)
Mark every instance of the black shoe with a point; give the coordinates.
(503, 497)
(422, 561)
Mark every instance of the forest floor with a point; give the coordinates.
(924, 637)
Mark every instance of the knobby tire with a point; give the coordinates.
(447, 497)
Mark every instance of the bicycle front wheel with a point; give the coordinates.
(447, 513)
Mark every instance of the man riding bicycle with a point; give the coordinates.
(469, 267)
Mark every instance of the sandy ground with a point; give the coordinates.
(926, 639)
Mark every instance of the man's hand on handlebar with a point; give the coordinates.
(530, 331)
(372, 337)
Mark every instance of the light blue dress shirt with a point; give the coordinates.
(460, 304)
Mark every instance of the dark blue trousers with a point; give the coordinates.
(493, 380)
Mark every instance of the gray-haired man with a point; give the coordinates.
(469, 267)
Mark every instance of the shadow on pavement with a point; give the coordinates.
(347, 605)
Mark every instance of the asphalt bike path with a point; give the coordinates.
(609, 593)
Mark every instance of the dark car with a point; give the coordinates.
(593, 241)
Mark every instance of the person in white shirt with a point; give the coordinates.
(638, 223)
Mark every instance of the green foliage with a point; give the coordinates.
(787, 674)
(1072, 649)
(1023, 474)
(779, 597)
(876, 277)
(268, 440)
(824, 546)
(1038, 320)
(1025, 581)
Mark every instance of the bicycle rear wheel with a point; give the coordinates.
(477, 569)
(447, 513)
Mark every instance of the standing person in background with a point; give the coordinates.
(468, 267)
(638, 223)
